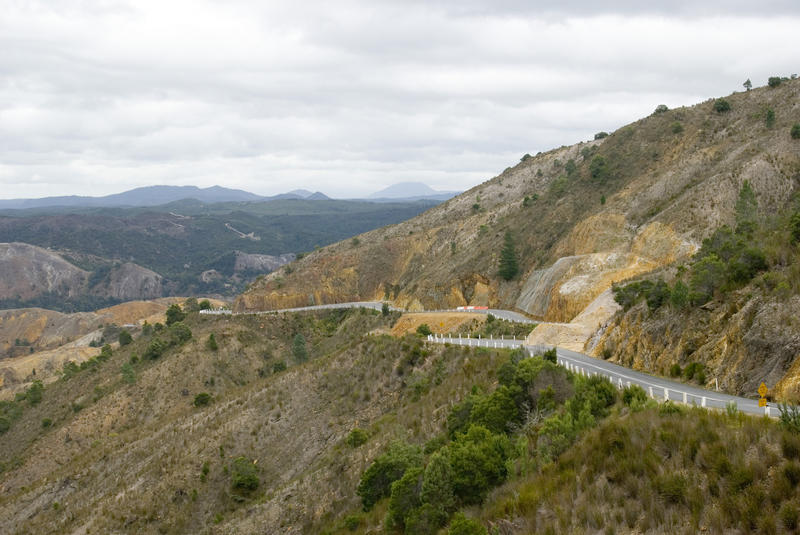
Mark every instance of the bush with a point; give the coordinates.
(462, 525)
(795, 131)
(46, 422)
(202, 399)
(278, 366)
(124, 338)
(601, 135)
(774, 81)
(211, 343)
(376, 481)
(769, 118)
(675, 370)
(424, 329)
(179, 333)
(128, 374)
(299, 350)
(788, 515)
(205, 304)
(661, 108)
(244, 475)
(672, 487)
(598, 168)
(356, 438)
(34, 393)
(550, 355)
(175, 314)
(676, 127)
(634, 396)
(5, 425)
(721, 105)
(789, 417)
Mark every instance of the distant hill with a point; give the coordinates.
(411, 191)
(146, 196)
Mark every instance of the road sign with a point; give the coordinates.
(762, 402)
(762, 390)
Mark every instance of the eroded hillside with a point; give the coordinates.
(582, 217)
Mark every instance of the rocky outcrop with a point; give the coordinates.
(27, 272)
(262, 263)
(130, 281)
(742, 342)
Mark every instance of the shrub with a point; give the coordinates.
(202, 399)
(211, 343)
(376, 481)
(175, 314)
(598, 168)
(424, 520)
(179, 333)
(424, 329)
(437, 483)
(525, 157)
(128, 374)
(124, 338)
(789, 417)
(634, 396)
(550, 355)
(278, 366)
(356, 438)
(676, 127)
(34, 393)
(601, 135)
(46, 422)
(769, 118)
(672, 487)
(299, 350)
(788, 515)
(675, 370)
(462, 525)
(205, 304)
(721, 105)
(661, 108)
(5, 425)
(795, 131)
(352, 522)
(774, 81)
(244, 475)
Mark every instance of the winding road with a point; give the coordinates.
(658, 388)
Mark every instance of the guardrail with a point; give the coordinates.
(656, 388)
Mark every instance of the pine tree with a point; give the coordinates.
(299, 348)
(508, 258)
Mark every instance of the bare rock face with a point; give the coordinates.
(26, 329)
(27, 271)
(260, 262)
(130, 281)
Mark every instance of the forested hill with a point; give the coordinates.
(196, 247)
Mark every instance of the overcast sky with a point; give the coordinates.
(349, 97)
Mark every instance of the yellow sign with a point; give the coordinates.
(762, 402)
(762, 390)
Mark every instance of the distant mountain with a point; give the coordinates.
(318, 196)
(146, 196)
(411, 191)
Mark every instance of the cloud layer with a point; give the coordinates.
(348, 97)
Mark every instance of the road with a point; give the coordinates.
(656, 387)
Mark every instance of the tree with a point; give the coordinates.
(661, 108)
(746, 210)
(175, 314)
(601, 135)
(299, 348)
(385, 309)
(125, 338)
(795, 131)
(245, 474)
(424, 329)
(212, 342)
(748, 85)
(508, 258)
(721, 105)
(462, 525)
(405, 496)
(205, 304)
(478, 460)
(774, 81)
(598, 167)
(386, 469)
(437, 483)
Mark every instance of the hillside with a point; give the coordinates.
(258, 432)
(181, 248)
(581, 218)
